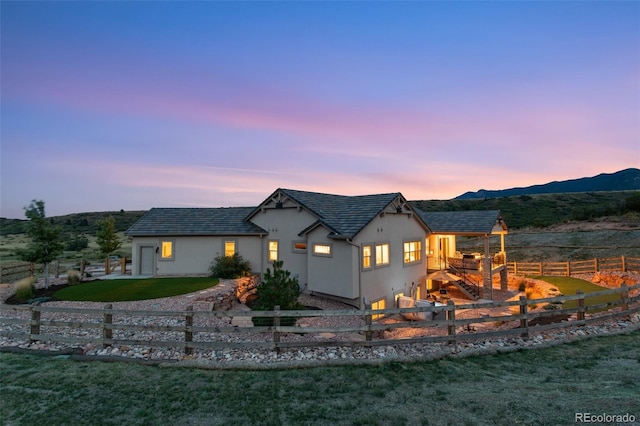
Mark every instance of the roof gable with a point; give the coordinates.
(344, 215)
(195, 221)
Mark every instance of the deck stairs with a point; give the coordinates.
(466, 285)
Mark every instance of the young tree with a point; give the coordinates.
(107, 238)
(278, 288)
(46, 244)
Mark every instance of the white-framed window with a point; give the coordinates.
(230, 248)
(367, 255)
(273, 250)
(322, 249)
(166, 250)
(412, 251)
(299, 246)
(382, 254)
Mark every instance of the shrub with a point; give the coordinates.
(229, 267)
(529, 292)
(73, 277)
(78, 243)
(25, 289)
(522, 285)
(277, 288)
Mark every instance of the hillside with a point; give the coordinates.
(544, 209)
(76, 223)
(624, 180)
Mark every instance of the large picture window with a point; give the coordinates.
(412, 251)
(382, 254)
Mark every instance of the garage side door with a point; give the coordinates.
(147, 258)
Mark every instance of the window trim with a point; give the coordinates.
(371, 256)
(417, 252)
(377, 265)
(295, 249)
(161, 256)
(377, 302)
(328, 245)
(277, 250)
(224, 246)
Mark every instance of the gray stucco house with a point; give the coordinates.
(353, 248)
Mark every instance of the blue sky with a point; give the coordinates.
(133, 105)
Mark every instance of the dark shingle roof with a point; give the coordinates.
(345, 215)
(461, 222)
(195, 221)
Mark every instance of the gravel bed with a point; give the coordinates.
(266, 358)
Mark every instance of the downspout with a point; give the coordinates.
(348, 240)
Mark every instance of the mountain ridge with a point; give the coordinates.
(623, 180)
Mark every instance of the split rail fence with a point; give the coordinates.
(13, 272)
(188, 330)
(622, 264)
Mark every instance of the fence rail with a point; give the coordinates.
(13, 272)
(621, 263)
(191, 329)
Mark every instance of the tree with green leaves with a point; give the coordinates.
(107, 237)
(46, 244)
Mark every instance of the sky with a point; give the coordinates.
(133, 105)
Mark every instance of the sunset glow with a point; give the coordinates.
(133, 105)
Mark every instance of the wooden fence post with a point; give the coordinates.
(35, 322)
(33, 269)
(524, 322)
(624, 266)
(451, 318)
(595, 265)
(188, 332)
(568, 268)
(624, 295)
(540, 268)
(123, 266)
(107, 331)
(368, 320)
(276, 327)
(515, 268)
(580, 305)
(82, 268)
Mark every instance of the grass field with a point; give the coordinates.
(568, 286)
(533, 387)
(134, 289)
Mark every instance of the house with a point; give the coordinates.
(357, 249)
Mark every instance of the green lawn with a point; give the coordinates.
(568, 286)
(530, 387)
(121, 290)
